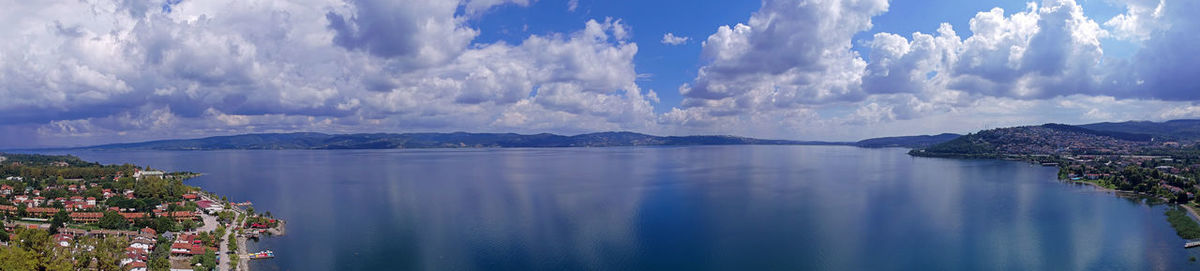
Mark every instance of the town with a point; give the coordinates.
(1163, 168)
(62, 213)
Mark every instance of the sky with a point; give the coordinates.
(89, 72)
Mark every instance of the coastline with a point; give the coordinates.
(1099, 187)
(1191, 212)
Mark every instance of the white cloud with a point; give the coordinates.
(789, 56)
(1141, 19)
(671, 39)
(790, 53)
(1013, 69)
(103, 68)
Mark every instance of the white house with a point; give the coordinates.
(147, 173)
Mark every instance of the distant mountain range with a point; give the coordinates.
(319, 141)
(1133, 137)
(436, 140)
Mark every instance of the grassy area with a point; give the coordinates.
(1101, 183)
(1184, 226)
(83, 227)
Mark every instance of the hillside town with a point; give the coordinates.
(1164, 168)
(60, 213)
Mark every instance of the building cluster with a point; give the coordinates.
(84, 209)
(141, 243)
(39, 203)
(1164, 175)
(1044, 140)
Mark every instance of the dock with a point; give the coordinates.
(1191, 244)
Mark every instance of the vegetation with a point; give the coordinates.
(60, 219)
(36, 250)
(43, 167)
(159, 257)
(233, 261)
(1184, 226)
(106, 255)
(113, 220)
(207, 261)
(261, 220)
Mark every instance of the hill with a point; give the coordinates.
(437, 140)
(1042, 139)
(920, 141)
(1173, 130)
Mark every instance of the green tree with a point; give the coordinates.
(113, 220)
(108, 252)
(207, 261)
(16, 258)
(60, 219)
(59, 259)
(189, 224)
(159, 264)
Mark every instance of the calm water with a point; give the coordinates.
(676, 208)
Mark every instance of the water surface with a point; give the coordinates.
(675, 208)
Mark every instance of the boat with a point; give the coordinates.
(266, 254)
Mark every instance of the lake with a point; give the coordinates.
(675, 208)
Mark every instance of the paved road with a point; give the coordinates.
(210, 223)
(223, 263)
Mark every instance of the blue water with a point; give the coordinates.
(676, 208)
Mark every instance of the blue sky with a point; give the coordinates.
(666, 66)
(116, 71)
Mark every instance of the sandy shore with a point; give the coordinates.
(279, 230)
(1191, 212)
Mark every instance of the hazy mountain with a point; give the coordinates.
(920, 141)
(438, 140)
(1162, 131)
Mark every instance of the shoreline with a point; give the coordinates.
(1191, 212)
(1098, 186)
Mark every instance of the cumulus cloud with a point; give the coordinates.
(1141, 19)
(787, 59)
(1165, 66)
(789, 54)
(671, 39)
(104, 68)
(418, 33)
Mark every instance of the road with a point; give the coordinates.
(223, 263)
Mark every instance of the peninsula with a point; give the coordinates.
(63, 213)
(1155, 159)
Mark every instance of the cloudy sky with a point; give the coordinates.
(96, 71)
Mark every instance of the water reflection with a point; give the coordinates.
(724, 208)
